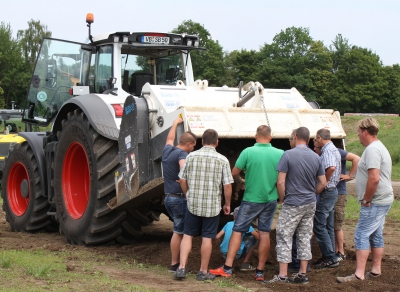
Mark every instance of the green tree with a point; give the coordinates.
(14, 77)
(194, 28)
(31, 38)
(294, 59)
(319, 72)
(2, 102)
(207, 64)
(247, 64)
(391, 96)
(230, 77)
(241, 66)
(358, 84)
(340, 46)
(212, 66)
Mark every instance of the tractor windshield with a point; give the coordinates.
(59, 66)
(167, 69)
(162, 66)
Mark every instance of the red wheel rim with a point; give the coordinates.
(76, 180)
(17, 202)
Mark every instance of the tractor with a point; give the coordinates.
(96, 176)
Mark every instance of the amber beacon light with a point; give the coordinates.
(89, 21)
(89, 18)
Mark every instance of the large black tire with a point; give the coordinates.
(25, 207)
(131, 230)
(132, 225)
(84, 168)
(145, 218)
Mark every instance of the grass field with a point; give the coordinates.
(353, 209)
(19, 123)
(45, 270)
(389, 134)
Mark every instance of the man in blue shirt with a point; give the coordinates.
(173, 159)
(324, 215)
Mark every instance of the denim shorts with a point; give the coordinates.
(176, 208)
(248, 211)
(249, 242)
(369, 228)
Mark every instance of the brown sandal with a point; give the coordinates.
(369, 276)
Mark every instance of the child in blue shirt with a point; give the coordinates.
(249, 242)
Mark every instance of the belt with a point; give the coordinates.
(330, 189)
(180, 195)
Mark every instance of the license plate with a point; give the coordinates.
(155, 40)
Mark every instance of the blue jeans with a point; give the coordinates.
(249, 242)
(249, 211)
(369, 227)
(324, 222)
(176, 208)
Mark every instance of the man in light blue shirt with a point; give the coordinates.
(324, 215)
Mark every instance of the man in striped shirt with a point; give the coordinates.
(203, 176)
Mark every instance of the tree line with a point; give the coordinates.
(340, 76)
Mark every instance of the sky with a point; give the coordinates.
(237, 25)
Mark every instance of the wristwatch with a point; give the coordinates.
(364, 201)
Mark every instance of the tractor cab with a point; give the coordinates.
(118, 63)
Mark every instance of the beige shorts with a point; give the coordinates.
(339, 211)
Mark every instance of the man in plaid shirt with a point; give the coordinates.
(202, 177)
(324, 214)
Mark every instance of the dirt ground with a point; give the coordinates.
(351, 188)
(153, 249)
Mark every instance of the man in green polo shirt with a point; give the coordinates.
(259, 163)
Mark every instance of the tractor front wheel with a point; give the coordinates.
(84, 167)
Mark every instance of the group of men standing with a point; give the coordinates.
(291, 178)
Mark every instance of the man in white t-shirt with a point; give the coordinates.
(375, 193)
